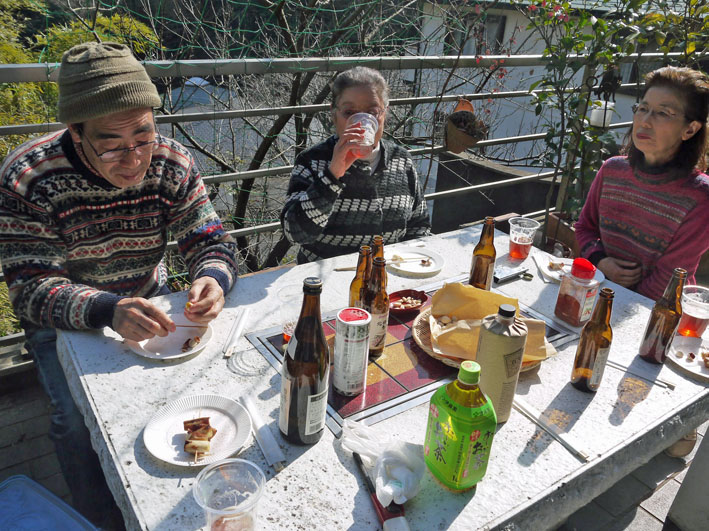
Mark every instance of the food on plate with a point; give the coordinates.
(705, 358)
(445, 320)
(406, 303)
(425, 262)
(199, 435)
(191, 343)
(556, 266)
(679, 354)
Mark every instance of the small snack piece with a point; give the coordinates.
(555, 266)
(705, 358)
(199, 433)
(188, 305)
(191, 343)
(425, 262)
(444, 320)
(679, 353)
(405, 303)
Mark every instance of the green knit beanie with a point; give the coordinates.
(97, 79)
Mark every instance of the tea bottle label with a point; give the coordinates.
(378, 329)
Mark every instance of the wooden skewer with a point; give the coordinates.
(191, 326)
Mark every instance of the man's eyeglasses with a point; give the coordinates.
(376, 112)
(644, 112)
(113, 155)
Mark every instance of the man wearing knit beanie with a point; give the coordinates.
(85, 217)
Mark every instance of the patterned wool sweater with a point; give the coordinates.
(652, 216)
(72, 244)
(330, 217)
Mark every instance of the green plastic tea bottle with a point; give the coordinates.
(461, 426)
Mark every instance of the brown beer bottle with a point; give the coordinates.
(483, 266)
(594, 345)
(664, 320)
(305, 373)
(377, 247)
(376, 302)
(359, 282)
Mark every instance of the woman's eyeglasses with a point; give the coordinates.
(644, 112)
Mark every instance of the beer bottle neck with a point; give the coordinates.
(602, 312)
(673, 291)
(363, 263)
(311, 306)
(488, 233)
(379, 278)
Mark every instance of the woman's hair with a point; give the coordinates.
(360, 76)
(692, 87)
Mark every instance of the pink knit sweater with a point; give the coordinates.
(652, 216)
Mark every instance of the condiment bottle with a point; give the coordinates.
(376, 302)
(577, 293)
(664, 320)
(499, 354)
(305, 373)
(484, 254)
(461, 426)
(377, 247)
(594, 346)
(364, 269)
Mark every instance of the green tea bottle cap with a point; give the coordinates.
(469, 372)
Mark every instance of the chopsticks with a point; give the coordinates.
(562, 438)
(391, 261)
(191, 326)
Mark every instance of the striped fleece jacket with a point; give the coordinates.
(72, 244)
(330, 217)
(651, 216)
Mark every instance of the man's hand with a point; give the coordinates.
(204, 301)
(135, 318)
(343, 155)
(622, 272)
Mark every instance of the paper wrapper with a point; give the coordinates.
(468, 305)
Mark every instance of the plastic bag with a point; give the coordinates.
(398, 466)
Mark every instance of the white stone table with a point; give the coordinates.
(532, 481)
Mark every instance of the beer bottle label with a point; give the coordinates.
(599, 365)
(315, 416)
(285, 404)
(378, 329)
(292, 345)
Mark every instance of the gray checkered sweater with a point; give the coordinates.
(330, 217)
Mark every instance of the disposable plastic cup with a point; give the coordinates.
(521, 236)
(229, 492)
(695, 311)
(370, 125)
(290, 298)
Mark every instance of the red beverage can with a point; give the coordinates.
(351, 351)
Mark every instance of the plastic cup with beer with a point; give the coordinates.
(290, 299)
(695, 311)
(370, 124)
(229, 491)
(521, 236)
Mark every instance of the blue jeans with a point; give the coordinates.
(78, 461)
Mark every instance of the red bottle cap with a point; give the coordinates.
(582, 268)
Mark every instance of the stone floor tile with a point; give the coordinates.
(56, 485)
(45, 466)
(19, 468)
(659, 469)
(636, 520)
(659, 503)
(27, 410)
(624, 495)
(25, 451)
(592, 517)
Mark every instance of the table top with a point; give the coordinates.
(639, 410)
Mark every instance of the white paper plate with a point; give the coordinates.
(543, 263)
(170, 346)
(414, 267)
(164, 436)
(695, 367)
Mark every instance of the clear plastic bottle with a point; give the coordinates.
(461, 426)
(577, 293)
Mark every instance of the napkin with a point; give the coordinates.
(466, 306)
